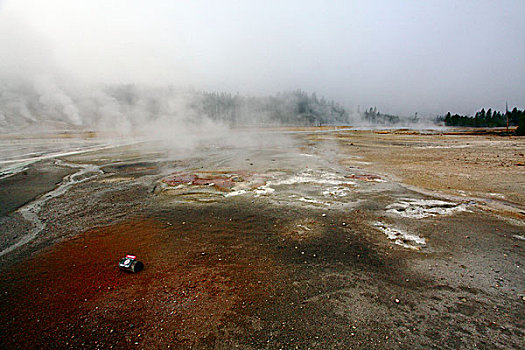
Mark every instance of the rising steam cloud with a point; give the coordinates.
(36, 95)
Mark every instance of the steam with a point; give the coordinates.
(368, 53)
(37, 95)
(55, 102)
(52, 103)
(47, 104)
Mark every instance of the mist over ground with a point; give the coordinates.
(139, 110)
(129, 67)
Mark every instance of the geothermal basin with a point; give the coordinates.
(310, 239)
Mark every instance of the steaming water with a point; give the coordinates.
(280, 170)
(306, 176)
(312, 177)
(317, 187)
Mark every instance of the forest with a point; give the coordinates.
(489, 119)
(287, 108)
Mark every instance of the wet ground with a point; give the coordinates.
(288, 242)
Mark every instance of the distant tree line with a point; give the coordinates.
(489, 119)
(289, 108)
(373, 116)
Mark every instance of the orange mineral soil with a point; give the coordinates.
(73, 295)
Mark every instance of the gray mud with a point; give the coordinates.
(34, 181)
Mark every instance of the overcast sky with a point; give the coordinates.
(401, 56)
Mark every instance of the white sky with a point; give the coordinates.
(401, 56)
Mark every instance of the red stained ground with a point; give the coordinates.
(221, 181)
(367, 177)
(74, 296)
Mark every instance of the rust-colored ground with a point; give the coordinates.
(73, 295)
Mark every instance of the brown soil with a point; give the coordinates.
(485, 166)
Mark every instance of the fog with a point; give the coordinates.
(60, 60)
